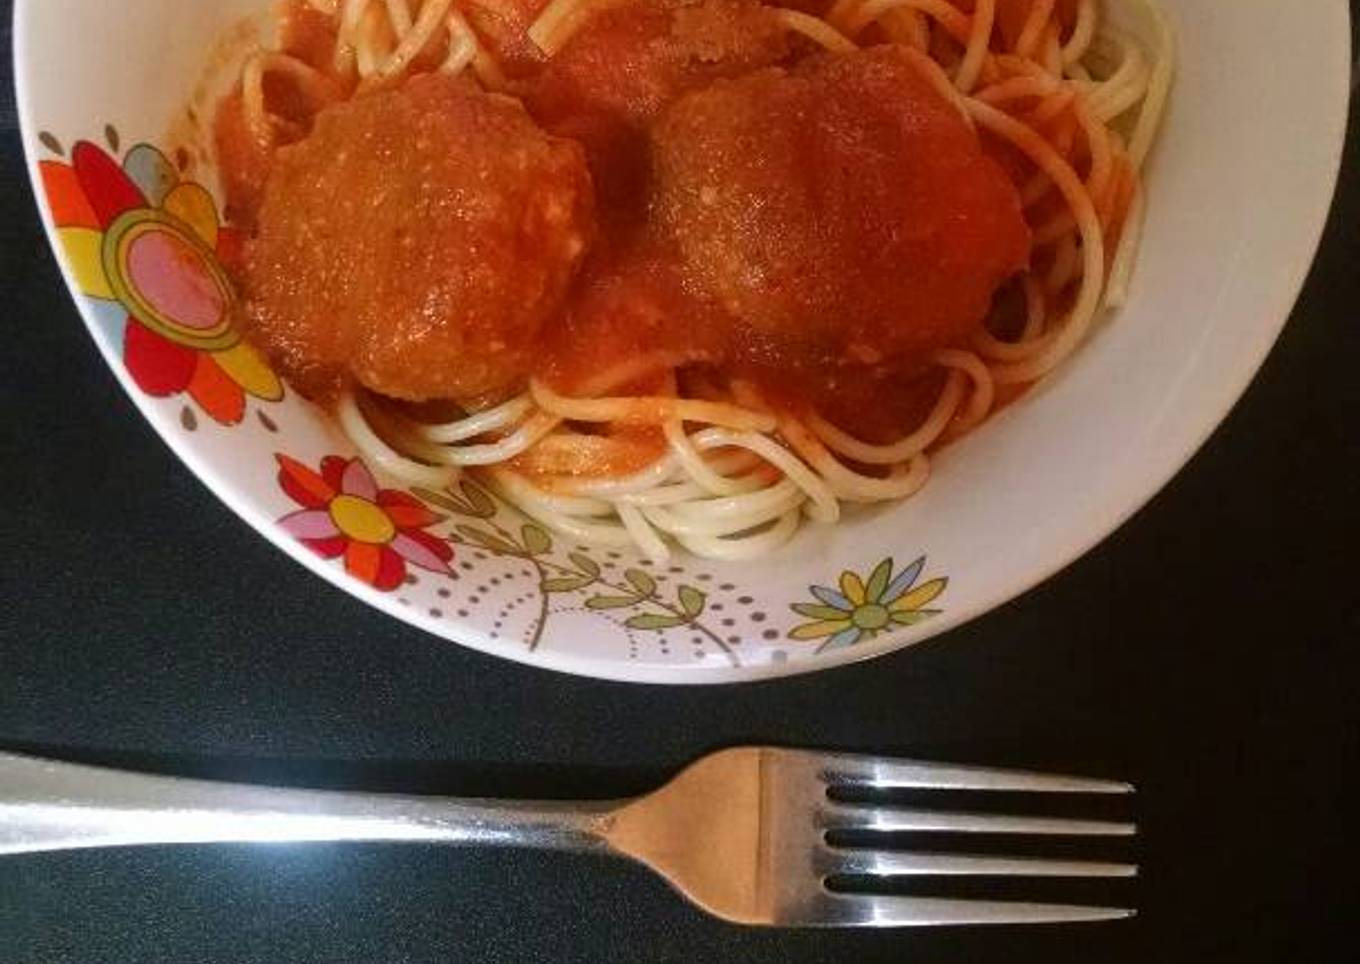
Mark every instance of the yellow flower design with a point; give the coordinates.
(863, 608)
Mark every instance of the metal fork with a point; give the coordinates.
(742, 832)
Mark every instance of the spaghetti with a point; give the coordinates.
(715, 466)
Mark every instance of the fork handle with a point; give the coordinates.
(46, 805)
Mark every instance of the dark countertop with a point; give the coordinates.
(1206, 651)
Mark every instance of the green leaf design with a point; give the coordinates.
(639, 580)
(480, 501)
(565, 584)
(490, 541)
(586, 564)
(815, 611)
(475, 501)
(654, 621)
(441, 500)
(536, 538)
(914, 617)
(692, 601)
(878, 580)
(612, 602)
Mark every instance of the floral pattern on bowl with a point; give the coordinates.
(135, 224)
(864, 608)
(146, 246)
(345, 514)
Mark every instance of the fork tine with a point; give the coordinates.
(879, 910)
(850, 769)
(886, 863)
(871, 817)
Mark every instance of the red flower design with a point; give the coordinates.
(344, 513)
(135, 235)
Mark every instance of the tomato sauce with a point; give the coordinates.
(626, 64)
(307, 34)
(1011, 16)
(503, 26)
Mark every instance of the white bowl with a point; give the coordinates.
(1239, 190)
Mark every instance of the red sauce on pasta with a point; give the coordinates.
(815, 224)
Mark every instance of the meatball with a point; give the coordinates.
(416, 242)
(843, 204)
(616, 73)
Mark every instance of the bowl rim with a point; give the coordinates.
(1310, 215)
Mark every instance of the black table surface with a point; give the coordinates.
(1206, 651)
